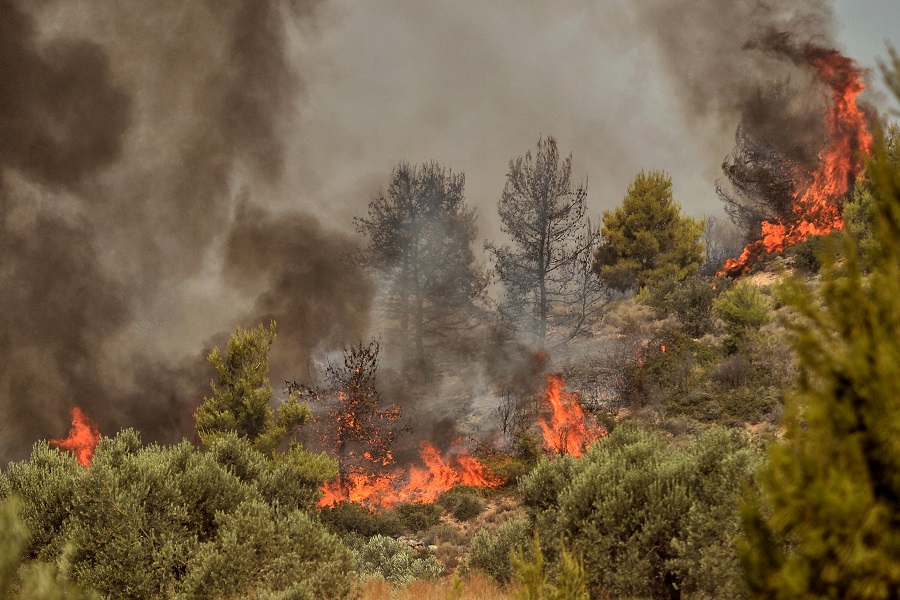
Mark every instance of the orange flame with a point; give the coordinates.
(83, 438)
(568, 431)
(818, 210)
(423, 485)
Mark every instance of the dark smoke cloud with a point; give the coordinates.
(714, 52)
(61, 118)
(61, 115)
(316, 292)
(126, 129)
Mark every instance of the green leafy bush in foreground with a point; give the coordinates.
(164, 522)
(650, 520)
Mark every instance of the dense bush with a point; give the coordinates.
(263, 549)
(690, 301)
(20, 578)
(418, 517)
(135, 524)
(491, 551)
(653, 521)
(744, 309)
(393, 560)
(464, 506)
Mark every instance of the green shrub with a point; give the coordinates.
(351, 517)
(46, 485)
(28, 580)
(130, 525)
(464, 506)
(467, 507)
(534, 583)
(690, 301)
(419, 516)
(744, 309)
(391, 559)
(260, 550)
(491, 551)
(647, 518)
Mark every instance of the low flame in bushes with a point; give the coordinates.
(415, 484)
(83, 438)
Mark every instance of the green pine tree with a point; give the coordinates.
(646, 240)
(826, 521)
(240, 399)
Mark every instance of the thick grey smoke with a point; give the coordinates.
(127, 130)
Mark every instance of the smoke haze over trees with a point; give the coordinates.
(170, 170)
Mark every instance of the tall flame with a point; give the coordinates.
(817, 210)
(567, 431)
(424, 485)
(83, 438)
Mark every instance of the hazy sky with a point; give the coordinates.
(472, 84)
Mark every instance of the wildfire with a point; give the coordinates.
(567, 431)
(817, 210)
(416, 484)
(83, 438)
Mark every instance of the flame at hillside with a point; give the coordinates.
(817, 209)
(567, 431)
(416, 484)
(83, 438)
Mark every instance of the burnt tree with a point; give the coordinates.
(420, 235)
(546, 271)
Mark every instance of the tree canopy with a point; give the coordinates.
(546, 270)
(420, 240)
(645, 239)
(240, 399)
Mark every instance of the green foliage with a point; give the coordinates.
(824, 524)
(646, 240)
(419, 516)
(353, 518)
(261, 548)
(570, 582)
(806, 256)
(491, 551)
(133, 524)
(744, 310)
(47, 484)
(650, 519)
(464, 506)
(393, 560)
(28, 580)
(690, 300)
(859, 210)
(240, 399)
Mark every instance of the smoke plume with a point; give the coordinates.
(127, 246)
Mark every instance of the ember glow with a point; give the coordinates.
(83, 438)
(568, 430)
(415, 484)
(817, 210)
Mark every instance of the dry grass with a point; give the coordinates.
(475, 587)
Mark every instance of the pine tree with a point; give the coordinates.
(240, 399)
(646, 240)
(826, 521)
(546, 271)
